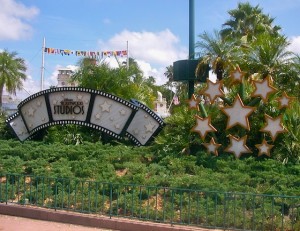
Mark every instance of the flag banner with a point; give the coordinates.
(91, 54)
(114, 53)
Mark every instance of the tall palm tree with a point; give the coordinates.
(169, 73)
(12, 72)
(219, 54)
(268, 55)
(247, 21)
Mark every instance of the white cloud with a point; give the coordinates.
(153, 51)
(29, 87)
(295, 44)
(158, 48)
(157, 73)
(32, 86)
(17, 16)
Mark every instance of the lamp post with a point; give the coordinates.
(184, 70)
(191, 83)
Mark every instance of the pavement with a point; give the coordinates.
(11, 223)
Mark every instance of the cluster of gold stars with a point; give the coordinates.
(238, 114)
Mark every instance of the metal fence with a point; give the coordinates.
(208, 209)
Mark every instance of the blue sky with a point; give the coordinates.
(156, 30)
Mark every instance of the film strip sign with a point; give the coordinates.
(72, 105)
(145, 125)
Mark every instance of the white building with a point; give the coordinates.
(64, 78)
(160, 106)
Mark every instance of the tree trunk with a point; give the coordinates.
(1, 92)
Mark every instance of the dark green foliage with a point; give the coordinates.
(5, 132)
(145, 166)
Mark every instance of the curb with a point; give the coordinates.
(90, 220)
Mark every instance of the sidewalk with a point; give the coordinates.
(11, 223)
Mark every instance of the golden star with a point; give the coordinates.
(193, 102)
(203, 126)
(285, 100)
(212, 147)
(105, 106)
(237, 75)
(264, 148)
(274, 126)
(237, 146)
(213, 90)
(238, 114)
(263, 88)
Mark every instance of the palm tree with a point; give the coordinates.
(219, 54)
(122, 82)
(12, 73)
(268, 55)
(246, 22)
(169, 73)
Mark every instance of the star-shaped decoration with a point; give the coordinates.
(39, 103)
(237, 75)
(97, 116)
(122, 112)
(213, 90)
(212, 147)
(55, 101)
(274, 126)
(117, 126)
(136, 131)
(238, 146)
(149, 127)
(193, 102)
(105, 107)
(264, 148)
(285, 100)
(263, 88)
(31, 111)
(238, 114)
(203, 126)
